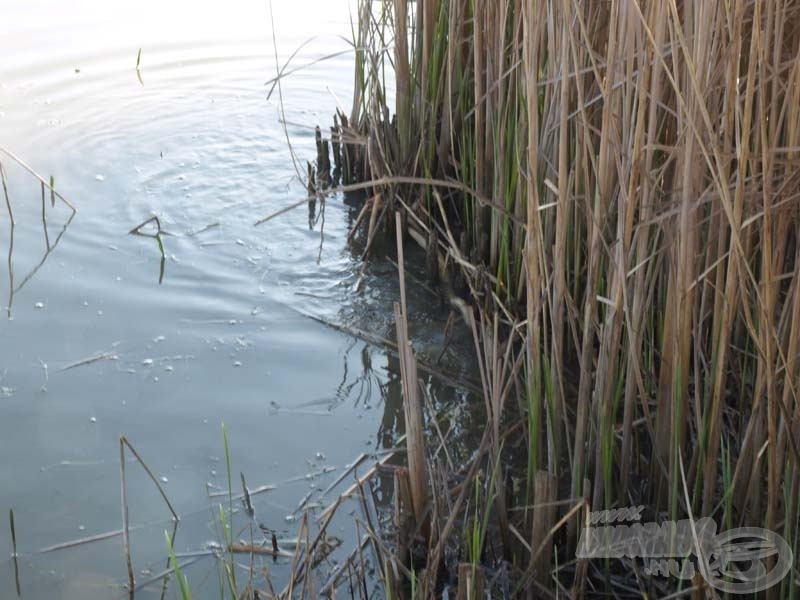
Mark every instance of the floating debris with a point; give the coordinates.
(39, 305)
(92, 419)
(99, 177)
(237, 363)
(7, 392)
(82, 541)
(212, 545)
(89, 360)
(147, 362)
(303, 503)
(164, 480)
(204, 229)
(72, 463)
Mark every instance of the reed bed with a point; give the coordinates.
(609, 193)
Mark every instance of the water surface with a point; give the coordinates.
(98, 339)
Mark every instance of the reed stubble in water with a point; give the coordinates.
(617, 185)
(14, 554)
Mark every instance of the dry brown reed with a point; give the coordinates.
(614, 188)
(126, 537)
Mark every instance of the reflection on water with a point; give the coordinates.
(49, 247)
(201, 318)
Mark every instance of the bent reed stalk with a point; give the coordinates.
(617, 185)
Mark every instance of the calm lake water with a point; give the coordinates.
(94, 346)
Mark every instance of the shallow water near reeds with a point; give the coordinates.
(99, 339)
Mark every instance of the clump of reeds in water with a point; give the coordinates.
(613, 188)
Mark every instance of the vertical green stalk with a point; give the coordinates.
(183, 583)
(226, 528)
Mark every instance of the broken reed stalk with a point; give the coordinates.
(50, 186)
(619, 182)
(412, 406)
(123, 443)
(14, 553)
(5, 193)
(44, 220)
(13, 533)
(126, 540)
